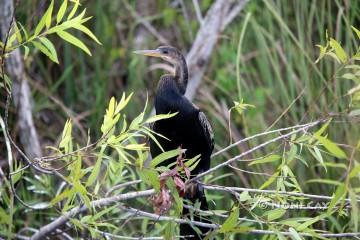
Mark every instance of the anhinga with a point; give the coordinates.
(189, 129)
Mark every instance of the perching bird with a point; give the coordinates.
(189, 129)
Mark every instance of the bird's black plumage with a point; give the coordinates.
(189, 129)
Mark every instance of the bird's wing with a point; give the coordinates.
(208, 131)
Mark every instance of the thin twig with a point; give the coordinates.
(275, 192)
(254, 149)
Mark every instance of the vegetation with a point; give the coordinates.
(288, 65)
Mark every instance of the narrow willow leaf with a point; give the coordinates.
(61, 11)
(150, 176)
(267, 159)
(339, 51)
(87, 32)
(73, 11)
(96, 170)
(331, 147)
(231, 221)
(123, 102)
(160, 117)
(49, 14)
(65, 194)
(73, 40)
(45, 51)
(274, 214)
(310, 222)
(325, 181)
(355, 171)
(294, 234)
(40, 26)
(339, 193)
(48, 44)
(83, 193)
(321, 54)
(24, 31)
(164, 156)
(356, 31)
(18, 33)
(323, 128)
(334, 56)
(270, 180)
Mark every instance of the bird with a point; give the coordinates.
(189, 129)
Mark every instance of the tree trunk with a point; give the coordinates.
(20, 87)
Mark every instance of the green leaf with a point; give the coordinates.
(164, 156)
(310, 222)
(274, 214)
(355, 171)
(48, 44)
(73, 40)
(331, 147)
(356, 31)
(123, 102)
(65, 194)
(44, 50)
(49, 14)
(66, 138)
(44, 20)
(160, 117)
(321, 53)
(339, 51)
(339, 193)
(323, 128)
(73, 11)
(87, 32)
(96, 170)
(267, 159)
(18, 33)
(270, 180)
(151, 177)
(325, 181)
(61, 12)
(83, 193)
(294, 234)
(231, 221)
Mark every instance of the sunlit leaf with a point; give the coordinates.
(231, 221)
(331, 147)
(87, 32)
(61, 11)
(267, 159)
(339, 51)
(73, 40)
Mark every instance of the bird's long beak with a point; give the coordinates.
(151, 53)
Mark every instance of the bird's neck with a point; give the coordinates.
(181, 75)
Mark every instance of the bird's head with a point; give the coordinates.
(167, 53)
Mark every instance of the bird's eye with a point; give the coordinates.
(165, 52)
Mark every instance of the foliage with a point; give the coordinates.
(274, 62)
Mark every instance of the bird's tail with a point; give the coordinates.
(198, 194)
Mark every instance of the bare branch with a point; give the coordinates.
(275, 192)
(254, 149)
(47, 229)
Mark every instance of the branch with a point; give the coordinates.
(255, 190)
(254, 149)
(216, 20)
(47, 229)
